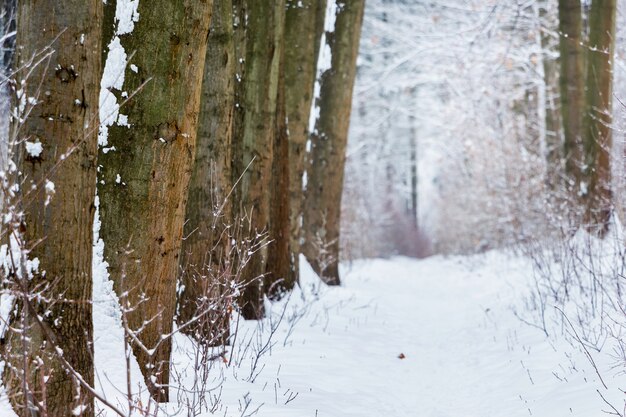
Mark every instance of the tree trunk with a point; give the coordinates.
(325, 176)
(303, 18)
(571, 86)
(279, 276)
(206, 269)
(320, 21)
(553, 136)
(254, 139)
(58, 204)
(597, 135)
(239, 41)
(108, 27)
(145, 171)
(414, 173)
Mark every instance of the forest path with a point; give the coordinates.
(465, 352)
(335, 352)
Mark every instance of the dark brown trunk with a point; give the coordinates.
(279, 278)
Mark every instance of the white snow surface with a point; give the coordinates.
(34, 149)
(126, 15)
(324, 61)
(465, 352)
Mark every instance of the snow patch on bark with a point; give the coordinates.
(50, 190)
(126, 15)
(34, 149)
(109, 338)
(324, 63)
(324, 60)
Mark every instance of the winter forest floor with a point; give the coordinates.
(436, 337)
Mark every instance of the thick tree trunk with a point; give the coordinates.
(325, 176)
(279, 277)
(206, 269)
(597, 135)
(254, 138)
(59, 189)
(571, 86)
(302, 22)
(146, 170)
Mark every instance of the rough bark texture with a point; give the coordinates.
(143, 213)
(108, 26)
(597, 133)
(320, 20)
(206, 268)
(254, 138)
(279, 278)
(239, 40)
(571, 84)
(59, 226)
(325, 176)
(302, 43)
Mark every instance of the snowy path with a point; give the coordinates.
(465, 352)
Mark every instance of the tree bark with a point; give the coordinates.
(320, 21)
(572, 86)
(146, 170)
(304, 22)
(325, 176)
(58, 203)
(254, 139)
(571, 82)
(279, 277)
(239, 40)
(553, 135)
(597, 134)
(206, 269)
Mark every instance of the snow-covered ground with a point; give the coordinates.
(401, 337)
(451, 319)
